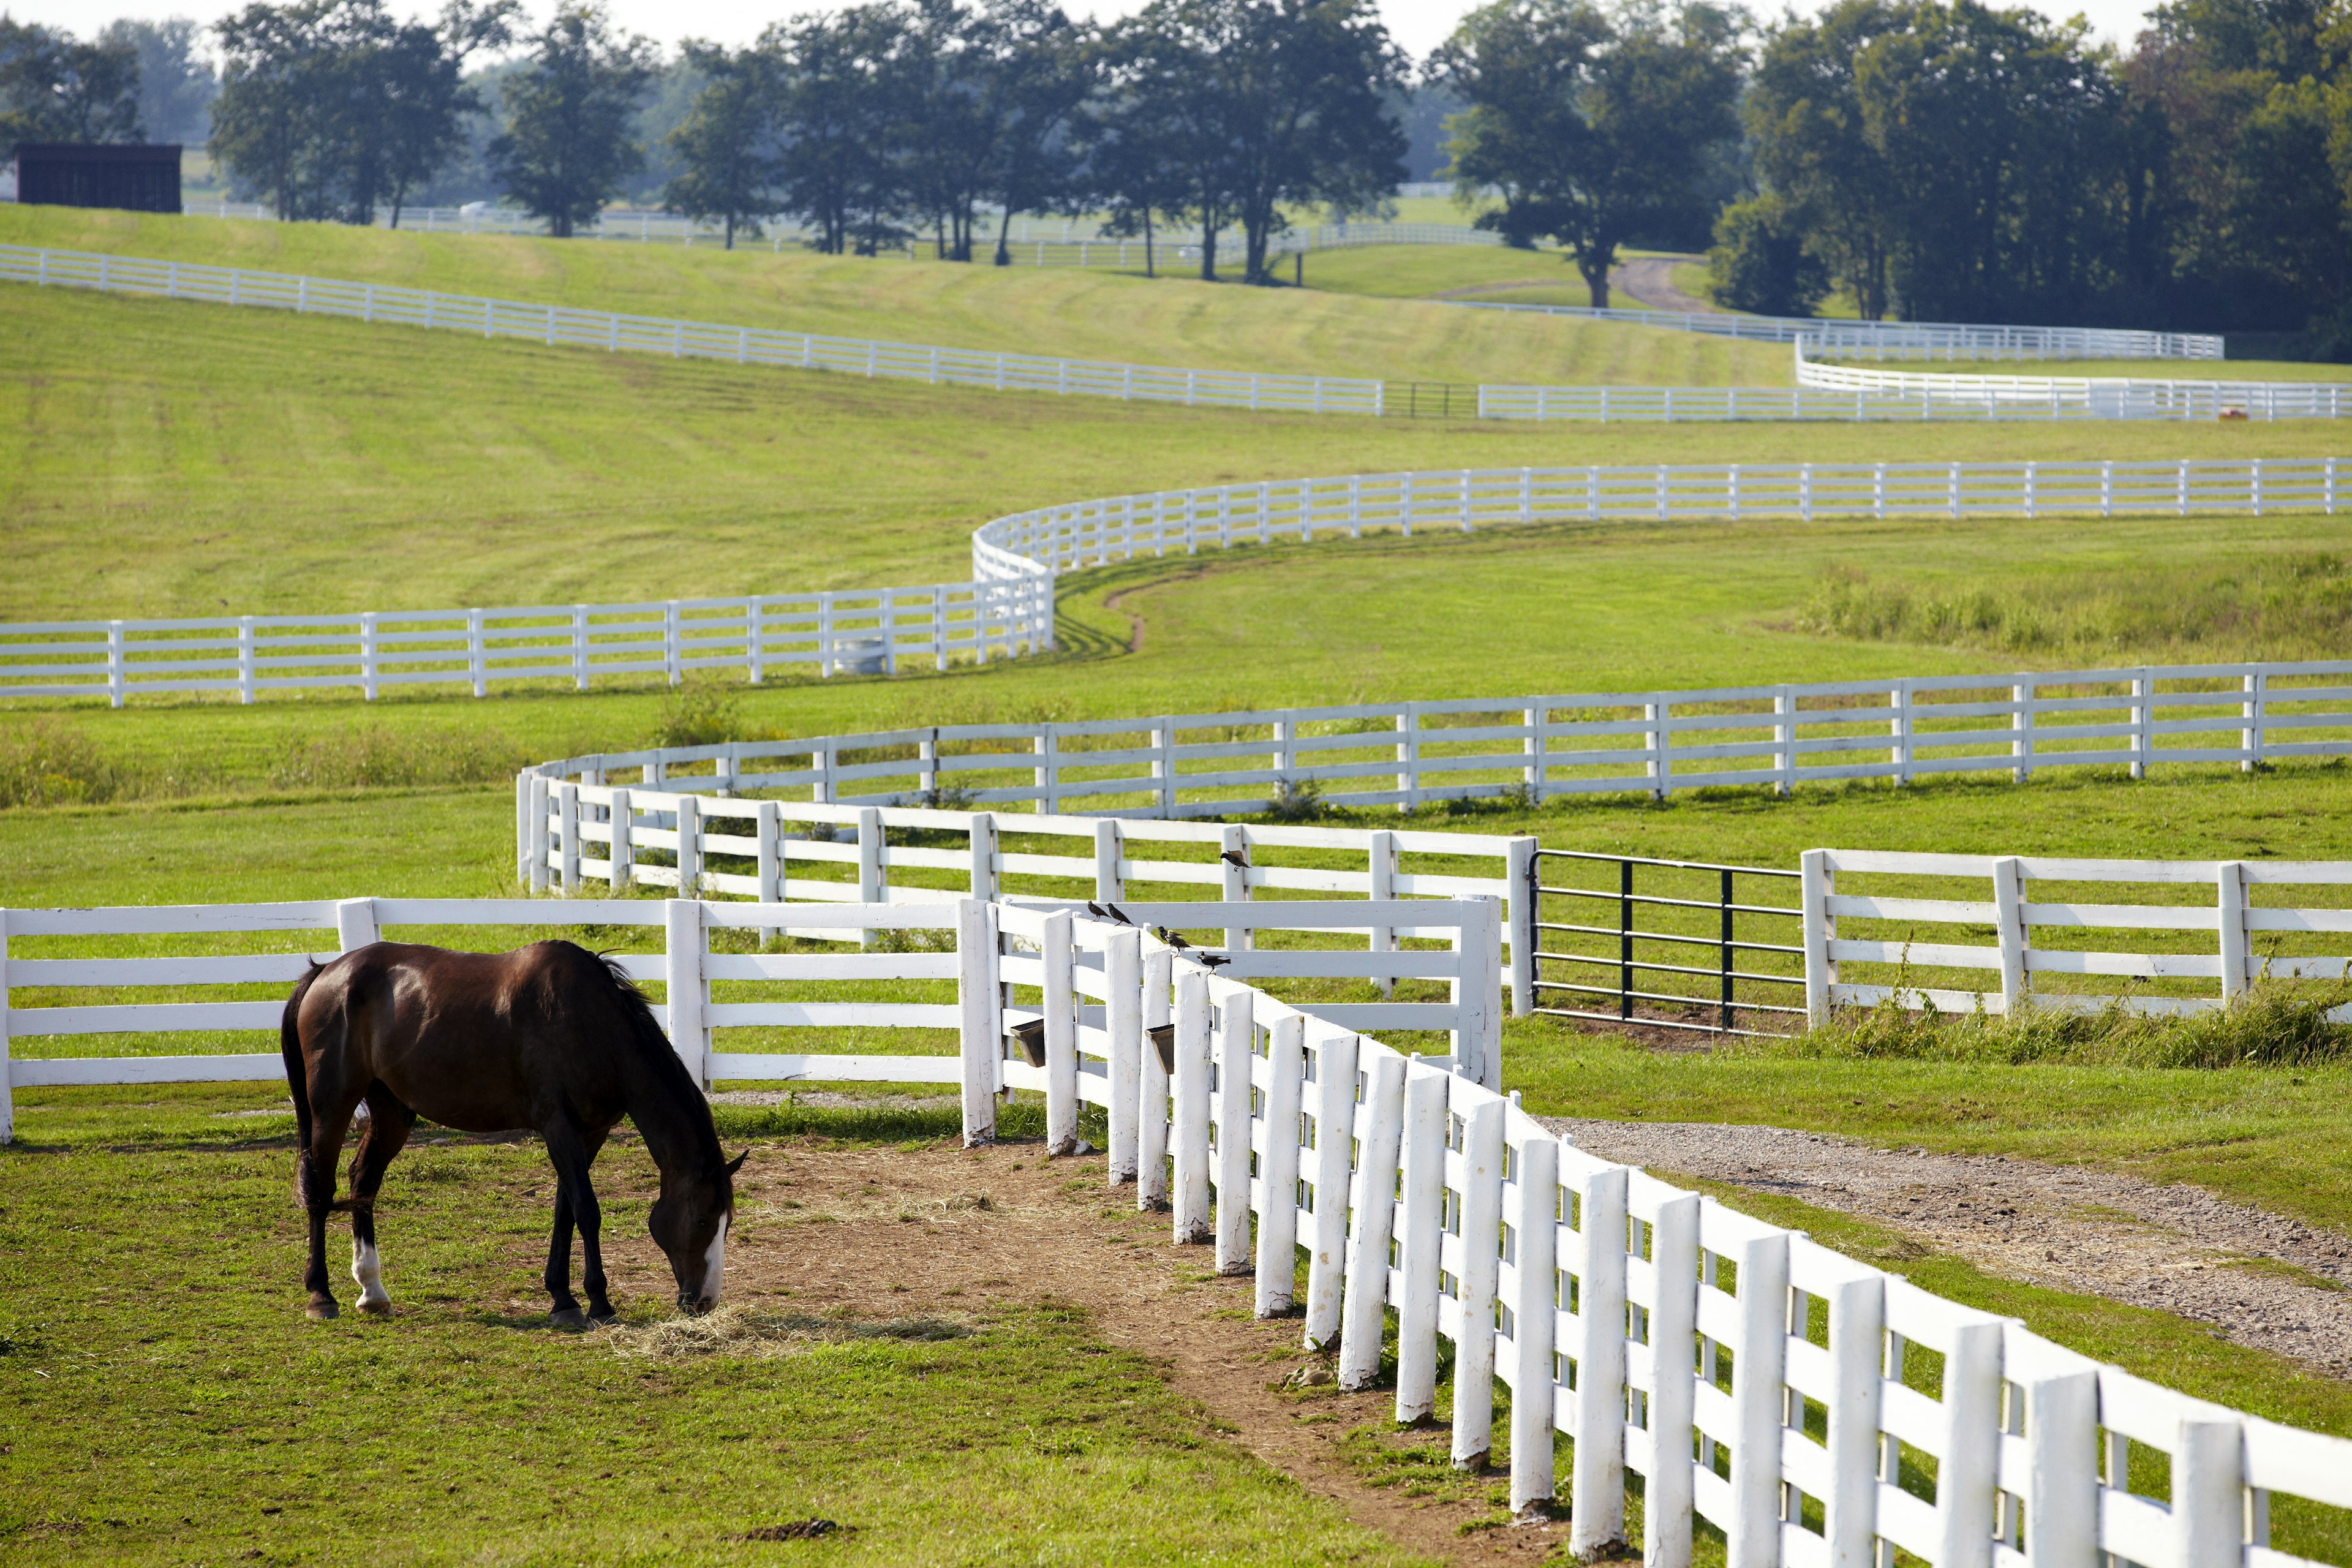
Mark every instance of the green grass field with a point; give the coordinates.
(160, 458)
(1093, 314)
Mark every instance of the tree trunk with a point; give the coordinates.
(1208, 251)
(1003, 227)
(1595, 267)
(1148, 272)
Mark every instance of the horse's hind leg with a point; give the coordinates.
(387, 1132)
(315, 1174)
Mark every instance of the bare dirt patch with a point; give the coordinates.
(1650, 280)
(937, 1234)
(2263, 1280)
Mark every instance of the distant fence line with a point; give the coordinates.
(2082, 397)
(1008, 607)
(1898, 340)
(563, 325)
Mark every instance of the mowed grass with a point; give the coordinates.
(160, 458)
(167, 1402)
(1092, 314)
(1543, 276)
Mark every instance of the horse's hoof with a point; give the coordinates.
(569, 1318)
(598, 1317)
(321, 1311)
(376, 1306)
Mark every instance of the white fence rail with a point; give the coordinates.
(2068, 397)
(2149, 936)
(1899, 340)
(858, 632)
(1752, 1379)
(561, 325)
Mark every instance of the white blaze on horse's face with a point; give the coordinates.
(714, 1266)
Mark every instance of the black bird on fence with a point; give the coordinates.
(1236, 857)
(1172, 939)
(1096, 909)
(1120, 915)
(1213, 960)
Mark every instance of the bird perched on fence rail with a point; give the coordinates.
(1236, 857)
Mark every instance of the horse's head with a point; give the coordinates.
(689, 1224)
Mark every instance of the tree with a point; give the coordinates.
(836, 122)
(567, 146)
(1592, 124)
(1762, 261)
(54, 89)
(1265, 104)
(274, 126)
(1040, 73)
(1125, 165)
(416, 94)
(727, 139)
(176, 83)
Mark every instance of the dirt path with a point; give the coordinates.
(2262, 1279)
(1650, 280)
(892, 1233)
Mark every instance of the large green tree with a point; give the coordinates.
(54, 87)
(568, 143)
(727, 140)
(1591, 123)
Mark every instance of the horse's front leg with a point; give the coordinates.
(570, 1151)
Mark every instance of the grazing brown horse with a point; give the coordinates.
(549, 1037)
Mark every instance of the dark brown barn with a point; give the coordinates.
(143, 177)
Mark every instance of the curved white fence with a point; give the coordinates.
(1749, 1377)
(1009, 605)
(2081, 398)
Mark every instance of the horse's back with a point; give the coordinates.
(480, 1041)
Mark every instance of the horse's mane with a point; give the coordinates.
(654, 1046)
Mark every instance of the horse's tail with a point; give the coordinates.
(298, 1083)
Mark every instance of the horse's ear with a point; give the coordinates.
(737, 1163)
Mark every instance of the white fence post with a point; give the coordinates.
(1109, 886)
(688, 992)
(1815, 882)
(2061, 1507)
(1278, 1179)
(1857, 1320)
(1234, 840)
(768, 832)
(1236, 1045)
(2009, 921)
(539, 783)
(1534, 1405)
(1123, 1021)
(1477, 994)
(980, 1031)
(689, 846)
(1597, 1489)
(1759, 1411)
(1421, 1211)
(1519, 917)
(567, 818)
(1372, 1193)
(2250, 738)
(522, 825)
(1189, 1194)
(1381, 857)
(622, 816)
(1332, 1107)
(1673, 1321)
(872, 881)
(1061, 1035)
(1151, 1120)
(2231, 914)
(1967, 1470)
(983, 855)
(1481, 1211)
(355, 924)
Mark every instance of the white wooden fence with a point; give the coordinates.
(860, 632)
(1945, 397)
(2150, 936)
(1078, 534)
(1814, 1410)
(1009, 608)
(561, 325)
(1898, 340)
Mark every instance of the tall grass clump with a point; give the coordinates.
(48, 761)
(2271, 1024)
(2293, 605)
(375, 756)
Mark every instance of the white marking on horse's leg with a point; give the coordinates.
(368, 1271)
(714, 1266)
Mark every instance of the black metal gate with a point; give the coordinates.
(1429, 400)
(1690, 905)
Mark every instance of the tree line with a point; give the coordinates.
(1927, 159)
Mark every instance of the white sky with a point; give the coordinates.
(1418, 25)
